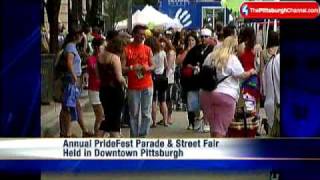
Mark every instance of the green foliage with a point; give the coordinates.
(116, 10)
(233, 5)
(145, 2)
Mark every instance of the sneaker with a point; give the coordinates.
(206, 128)
(197, 124)
(189, 127)
(200, 130)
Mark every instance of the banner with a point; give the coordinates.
(154, 149)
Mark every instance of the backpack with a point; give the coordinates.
(60, 65)
(208, 78)
(60, 68)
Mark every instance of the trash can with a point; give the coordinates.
(47, 65)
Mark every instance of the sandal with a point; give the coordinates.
(153, 126)
(87, 134)
(160, 122)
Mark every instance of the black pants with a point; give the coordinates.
(191, 118)
(112, 100)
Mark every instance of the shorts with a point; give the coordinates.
(94, 97)
(158, 95)
(169, 93)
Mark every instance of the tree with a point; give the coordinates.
(53, 9)
(145, 2)
(116, 10)
(93, 13)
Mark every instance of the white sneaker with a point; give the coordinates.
(197, 124)
(206, 128)
(200, 130)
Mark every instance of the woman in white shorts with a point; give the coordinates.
(94, 83)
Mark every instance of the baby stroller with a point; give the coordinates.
(245, 123)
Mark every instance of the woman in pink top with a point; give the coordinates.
(94, 83)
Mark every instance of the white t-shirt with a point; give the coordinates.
(158, 60)
(170, 73)
(271, 85)
(230, 85)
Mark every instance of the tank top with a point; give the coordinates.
(247, 59)
(107, 75)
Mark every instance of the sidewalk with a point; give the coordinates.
(50, 123)
(50, 117)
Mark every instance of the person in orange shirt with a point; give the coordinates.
(139, 65)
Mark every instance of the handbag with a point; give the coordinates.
(186, 72)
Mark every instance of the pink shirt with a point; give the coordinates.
(94, 82)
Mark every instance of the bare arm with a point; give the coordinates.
(151, 66)
(247, 74)
(125, 69)
(166, 65)
(181, 57)
(85, 45)
(171, 59)
(97, 69)
(70, 58)
(118, 70)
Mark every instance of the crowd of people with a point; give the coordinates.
(152, 68)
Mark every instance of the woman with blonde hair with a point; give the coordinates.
(219, 105)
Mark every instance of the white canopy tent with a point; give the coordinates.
(124, 23)
(150, 15)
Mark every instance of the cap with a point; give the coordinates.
(206, 32)
(168, 32)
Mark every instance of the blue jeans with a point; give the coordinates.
(140, 99)
(193, 101)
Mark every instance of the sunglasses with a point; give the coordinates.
(205, 36)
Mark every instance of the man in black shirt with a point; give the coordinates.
(190, 83)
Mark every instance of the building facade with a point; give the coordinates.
(195, 14)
